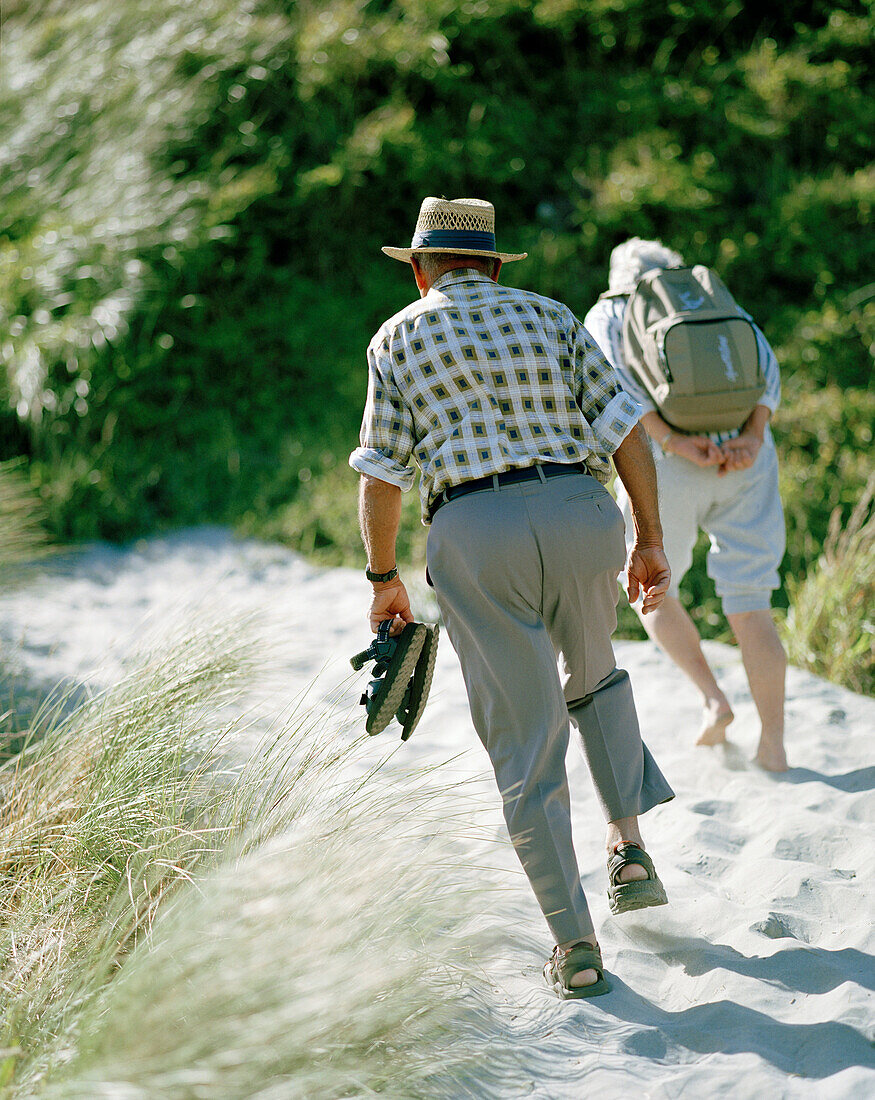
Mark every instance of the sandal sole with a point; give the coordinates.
(396, 678)
(638, 894)
(420, 686)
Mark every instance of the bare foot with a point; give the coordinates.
(771, 756)
(716, 716)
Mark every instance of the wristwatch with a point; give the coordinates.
(381, 577)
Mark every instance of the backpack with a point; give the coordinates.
(693, 349)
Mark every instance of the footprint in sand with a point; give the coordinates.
(719, 836)
(713, 807)
(780, 926)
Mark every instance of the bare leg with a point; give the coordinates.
(765, 663)
(675, 633)
(625, 828)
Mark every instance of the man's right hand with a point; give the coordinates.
(648, 572)
(698, 449)
(390, 602)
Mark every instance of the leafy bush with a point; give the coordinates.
(189, 271)
(825, 443)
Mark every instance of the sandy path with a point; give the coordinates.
(755, 982)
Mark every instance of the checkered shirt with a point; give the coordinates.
(476, 379)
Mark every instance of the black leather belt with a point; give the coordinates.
(509, 477)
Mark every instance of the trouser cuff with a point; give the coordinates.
(626, 778)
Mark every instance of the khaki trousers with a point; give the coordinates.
(525, 574)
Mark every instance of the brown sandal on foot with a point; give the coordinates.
(637, 893)
(563, 965)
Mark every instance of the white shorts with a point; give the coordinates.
(742, 515)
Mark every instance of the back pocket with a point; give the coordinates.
(587, 494)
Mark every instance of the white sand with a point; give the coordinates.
(754, 982)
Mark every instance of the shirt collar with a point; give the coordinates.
(460, 275)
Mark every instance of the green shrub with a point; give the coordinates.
(824, 440)
(322, 520)
(190, 266)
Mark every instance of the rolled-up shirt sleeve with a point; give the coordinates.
(609, 410)
(386, 438)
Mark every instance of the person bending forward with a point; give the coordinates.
(726, 484)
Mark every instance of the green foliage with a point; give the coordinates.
(321, 521)
(825, 442)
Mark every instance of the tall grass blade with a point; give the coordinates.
(22, 536)
(177, 923)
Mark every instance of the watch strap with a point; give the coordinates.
(382, 577)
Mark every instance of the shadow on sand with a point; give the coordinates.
(861, 779)
(798, 969)
(814, 1051)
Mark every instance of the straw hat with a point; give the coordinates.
(465, 227)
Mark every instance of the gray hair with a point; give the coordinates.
(435, 264)
(631, 259)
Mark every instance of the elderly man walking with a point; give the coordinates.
(726, 483)
(512, 413)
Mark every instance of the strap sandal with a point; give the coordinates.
(563, 965)
(639, 893)
(396, 660)
(413, 704)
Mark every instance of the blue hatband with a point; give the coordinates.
(454, 238)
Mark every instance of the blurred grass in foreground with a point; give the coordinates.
(830, 628)
(22, 536)
(173, 925)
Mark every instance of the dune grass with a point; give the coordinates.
(176, 923)
(22, 536)
(830, 628)
(101, 815)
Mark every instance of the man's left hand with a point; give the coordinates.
(739, 453)
(390, 602)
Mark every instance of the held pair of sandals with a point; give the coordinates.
(623, 897)
(401, 676)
